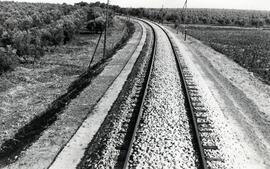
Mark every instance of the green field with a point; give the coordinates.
(250, 48)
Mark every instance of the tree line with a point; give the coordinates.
(28, 29)
(222, 17)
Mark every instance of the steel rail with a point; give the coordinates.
(145, 89)
(188, 102)
(202, 157)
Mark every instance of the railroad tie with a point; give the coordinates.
(214, 159)
(206, 131)
(210, 147)
(192, 88)
(196, 105)
(200, 110)
(206, 122)
(191, 84)
(125, 132)
(201, 117)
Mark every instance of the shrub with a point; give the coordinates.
(8, 61)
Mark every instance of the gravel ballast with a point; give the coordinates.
(163, 139)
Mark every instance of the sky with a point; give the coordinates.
(228, 4)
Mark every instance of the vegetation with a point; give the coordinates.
(248, 47)
(28, 29)
(204, 16)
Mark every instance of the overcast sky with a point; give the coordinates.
(231, 4)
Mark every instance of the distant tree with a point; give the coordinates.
(267, 20)
(172, 17)
(6, 38)
(57, 33)
(256, 22)
(240, 22)
(45, 37)
(21, 41)
(36, 20)
(26, 23)
(93, 13)
(11, 23)
(81, 4)
(227, 21)
(68, 28)
(8, 60)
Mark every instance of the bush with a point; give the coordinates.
(8, 61)
(96, 25)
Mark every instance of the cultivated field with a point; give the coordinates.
(248, 47)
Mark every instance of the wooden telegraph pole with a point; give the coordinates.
(162, 12)
(184, 12)
(105, 30)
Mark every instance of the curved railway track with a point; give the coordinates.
(145, 87)
(196, 112)
(189, 106)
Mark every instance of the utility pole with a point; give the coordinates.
(161, 12)
(185, 29)
(130, 9)
(105, 30)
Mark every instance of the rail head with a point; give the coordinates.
(202, 157)
(149, 72)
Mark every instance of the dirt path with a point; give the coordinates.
(244, 102)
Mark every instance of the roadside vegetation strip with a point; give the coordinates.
(72, 153)
(25, 136)
(222, 17)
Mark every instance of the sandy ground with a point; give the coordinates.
(241, 98)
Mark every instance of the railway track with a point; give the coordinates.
(133, 122)
(200, 125)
